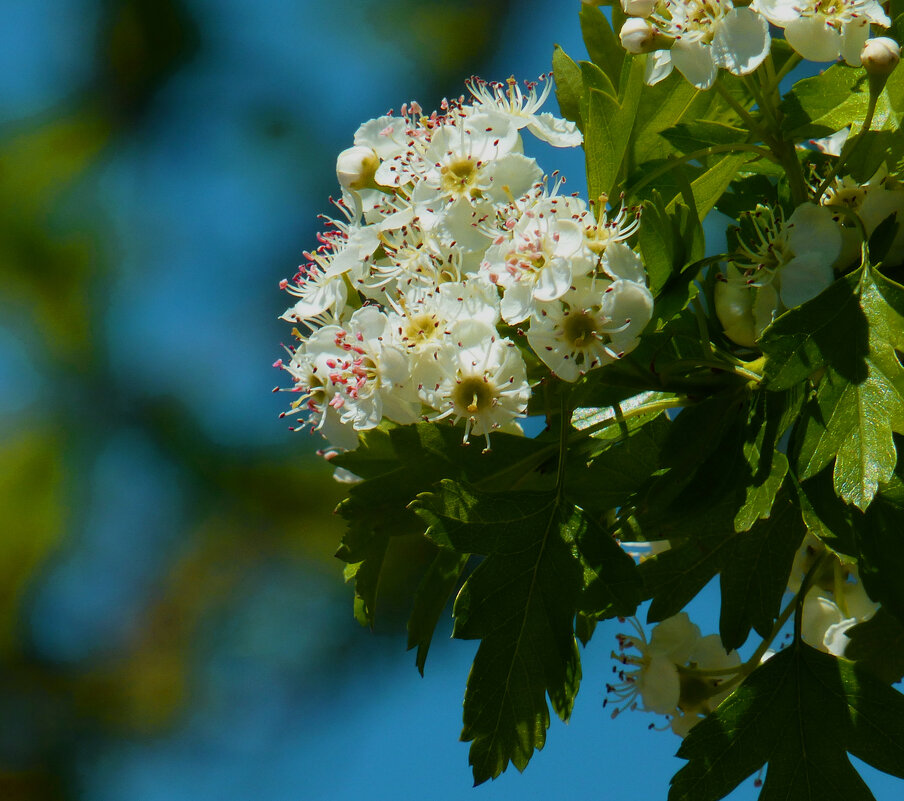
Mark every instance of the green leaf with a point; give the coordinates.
(521, 603)
(695, 435)
(656, 242)
(611, 581)
(830, 330)
(859, 403)
(878, 646)
(709, 187)
(771, 413)
(613, 476)
(674, 577)
(801, 712)
(755, 573)
(397, 464)
(601, 42)
(687, 137)
(569, 86)
(754, 565)
(826, 103)
(826, 515)
(609, 123)
(432, 595)
(594, 78)
(880, 536)
(605, 141)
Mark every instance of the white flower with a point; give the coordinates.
(539, 260)
(823, 31)
(349, 379)
(478, 159)
(594, 323)
(522, 109)
(822, 621)
(481, 379)
(786, 265)
(639, 36)
(873, 202)
(599, 234)
(705, 35)
(665, 674)
(700, 694)
(655, 671)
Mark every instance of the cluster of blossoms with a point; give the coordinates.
(675, 673)
(785, 263)
(697, 37)
(455, 263)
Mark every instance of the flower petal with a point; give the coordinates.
(778, 12)
(554, 130)
(813, 38)
(659, 67)
(741, 42)
(620, 261)
(659, 685)
(853, 36)
(694, 61)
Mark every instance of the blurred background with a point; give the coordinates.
(173, 624)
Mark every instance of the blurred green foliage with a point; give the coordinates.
(248, 507)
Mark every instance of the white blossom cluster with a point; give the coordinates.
(455, 262)
(698, 37)
(785, 263)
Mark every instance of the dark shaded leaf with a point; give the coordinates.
(852, 329)
(878, 646)
(432, 595)
(800, 712)
(521, 603)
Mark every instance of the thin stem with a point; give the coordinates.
(761, 100)
(565, 422)
(792, 61)
(756, 657)
(742, 112)
(714, 364)
(703, 328)
(784, 150)
(758, 654)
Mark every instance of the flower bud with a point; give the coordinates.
(880, 55)
(639, 36)
(638, 8)
(355, 167)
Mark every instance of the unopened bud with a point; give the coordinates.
(880, 55)
(638, 8)
(639, 36)
(355, 167)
